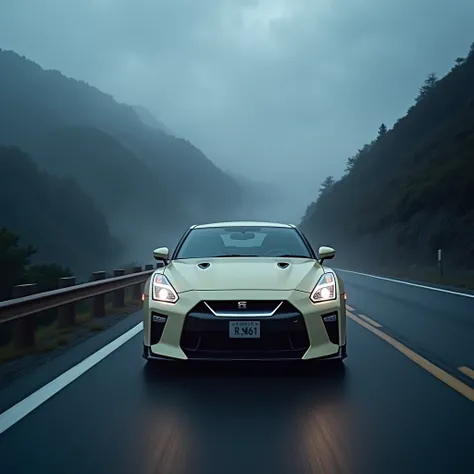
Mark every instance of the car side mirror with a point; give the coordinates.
(161, 254)
(326, 253)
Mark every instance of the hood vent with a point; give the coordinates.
(283, 265)
(204, 265)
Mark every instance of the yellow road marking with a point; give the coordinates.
(434, 370)
(467, 371)
(350, 308)
(370, 321)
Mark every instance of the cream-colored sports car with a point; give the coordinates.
(244, 291)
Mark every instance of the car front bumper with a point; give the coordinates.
(339, 356)
(300, 330)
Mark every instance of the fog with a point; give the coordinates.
(141, 235)
(278, 90)
(278, 94)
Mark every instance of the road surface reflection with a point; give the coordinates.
(247, 418)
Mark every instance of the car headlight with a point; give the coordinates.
(325, 289)
(162, 290)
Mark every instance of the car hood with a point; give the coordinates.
(243, 273)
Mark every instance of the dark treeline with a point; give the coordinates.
(410, 191)
(17, 269)
(53, 214)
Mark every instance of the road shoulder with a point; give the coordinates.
(21, 384)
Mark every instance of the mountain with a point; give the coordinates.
(150, 185)
(53, 214)
(149, 119)
(410, 191)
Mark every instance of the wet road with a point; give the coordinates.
(387, 413)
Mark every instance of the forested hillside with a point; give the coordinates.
(52, 214)
(149, 185)
(410, 191)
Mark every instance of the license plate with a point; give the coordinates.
(244, 329)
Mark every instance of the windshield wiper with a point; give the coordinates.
(233, 255)
(289, 255)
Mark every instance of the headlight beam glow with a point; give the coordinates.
(162, 290)
(325, 289)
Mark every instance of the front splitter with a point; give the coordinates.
(341, 354)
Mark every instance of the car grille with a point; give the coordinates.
(283, 333)
(243, 308)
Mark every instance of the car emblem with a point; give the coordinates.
(242, 305)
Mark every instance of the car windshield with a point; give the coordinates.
(243, 242)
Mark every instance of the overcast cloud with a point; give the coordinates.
(275, 89)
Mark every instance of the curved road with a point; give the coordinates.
(404, 404)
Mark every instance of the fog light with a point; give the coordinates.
(158, 319)
(330, 319)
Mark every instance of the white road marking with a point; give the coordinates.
(442, 290)
(14, 414)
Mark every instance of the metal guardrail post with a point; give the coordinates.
(24, 328)
(32, 302)
(137, 289)
(67, 313)
(118, 298)
(98, 305)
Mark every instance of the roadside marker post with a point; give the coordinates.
(440, 262)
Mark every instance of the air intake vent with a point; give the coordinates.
(283, 265)
(204, 265)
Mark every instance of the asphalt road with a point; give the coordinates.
(402, 405)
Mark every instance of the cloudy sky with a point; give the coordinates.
(276, 89)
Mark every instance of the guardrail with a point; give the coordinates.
(26, 302)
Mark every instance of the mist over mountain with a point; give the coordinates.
(410, 191)
(266, 201)
(149, 185)
(149, 119)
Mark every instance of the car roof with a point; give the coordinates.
(242, 224)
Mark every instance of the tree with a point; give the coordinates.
(14, 260)
(350, 163)
(16, 269)
(327, 184)
(366, 148)
(431, 80)
(458, 62)
(309, 211)
(429, 84)
(46, 275)
(360, 152)
(382, 130)
(471, 51)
